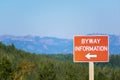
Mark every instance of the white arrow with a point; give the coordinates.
(90, 56)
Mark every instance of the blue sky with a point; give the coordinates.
(59, 18)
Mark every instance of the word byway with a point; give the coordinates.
(90, 41)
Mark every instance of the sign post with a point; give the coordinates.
(91, 49)
(91, 71)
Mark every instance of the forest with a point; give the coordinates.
(17, 64)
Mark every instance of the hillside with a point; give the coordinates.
(37, 44)
(20, 65)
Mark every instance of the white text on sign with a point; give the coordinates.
(91, 48)
(90, 41)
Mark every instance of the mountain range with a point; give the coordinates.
(48, 45)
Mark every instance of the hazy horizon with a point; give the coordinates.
(56, 36)
(61, 18)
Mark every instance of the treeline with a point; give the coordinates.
(20, 65)
(114, 60)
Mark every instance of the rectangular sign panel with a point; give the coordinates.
(91, 48)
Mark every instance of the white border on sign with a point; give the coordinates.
(90, 61)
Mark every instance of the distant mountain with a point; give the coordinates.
(36, 44)
(114, 44)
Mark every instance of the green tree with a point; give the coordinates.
(21, 69)
(47, 72)
(5, 68)
(115, 75)
(101, 76)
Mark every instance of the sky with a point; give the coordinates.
(59, 18)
